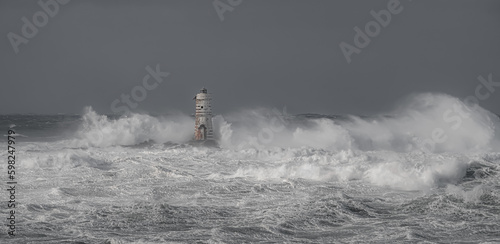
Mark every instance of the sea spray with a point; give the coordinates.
(101, 131)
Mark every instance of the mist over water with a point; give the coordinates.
(427, 171)
(100, 131)
(408, 128)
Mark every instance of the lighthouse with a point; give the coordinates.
(203, 118)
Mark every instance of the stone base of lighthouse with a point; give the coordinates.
(203, 129)
(205, 143)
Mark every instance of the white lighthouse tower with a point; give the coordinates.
(203, 118)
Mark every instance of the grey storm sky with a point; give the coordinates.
(266, 53)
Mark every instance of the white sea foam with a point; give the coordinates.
(99, 130)
(472, 196)
(271, 177)
(381, 150)
(425, 122)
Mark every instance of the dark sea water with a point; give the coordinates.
(274, 178)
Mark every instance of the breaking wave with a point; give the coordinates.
(433, 160)
(425, 122)
(100, 131)
(430, 140)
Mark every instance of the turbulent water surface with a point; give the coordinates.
(428, 172)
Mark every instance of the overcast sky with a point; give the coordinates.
(269, 53)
